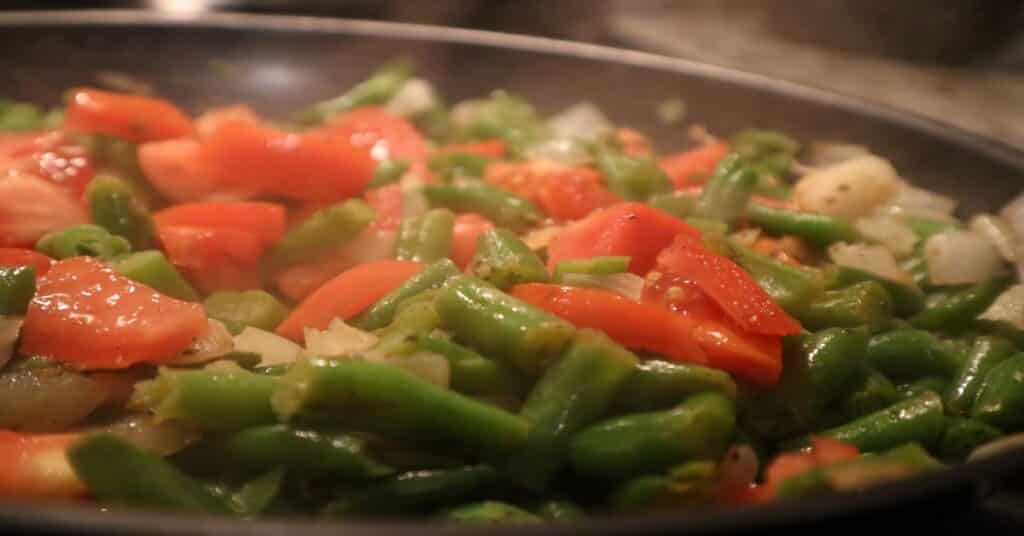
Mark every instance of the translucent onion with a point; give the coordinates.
(1008, 308)
(539, 239)
(997, 232)
(164, 438)
(824, 154)
(911, 201)
(870, 258)
(957, 257)
(427, 365)
(582, 121)
(10, 327)
(339, 339)
(628, 285)
(415, 96)
(272, 348)
(564, 151)
(889, 232)
(214, 343)
(851, 189)
(48, 399)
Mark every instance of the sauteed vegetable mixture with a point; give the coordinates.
(386, 306)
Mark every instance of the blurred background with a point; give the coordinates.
(958, 61)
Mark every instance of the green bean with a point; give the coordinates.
(985, 353)
(656, 385)
(917, 420)
(383, 312)
(113, 206)
(768, 151)
(415, 492)
(453, 165)
(151, 268)
(427, 237)
(325, 230)
(307, 451)
(960, 308)
(84, 239)
(221, 397)
(688, 482)
(680, 205)
(791, 287)
(964, 435)
(17, 286)
(472, 373)
(387, 400)
(632, 445)
(1000, 400)
(572, 393)
(503, 260)
(501, 326)
(434, 122)
(909, 354)
(862, 304)
(874, 393)
(604, 265)
(258, 494)
(388, 172)
(635, 179)
(490, 512)
(726, 193)
(861, 472)
(501, 115)
(17, 116)
(560, 511)
(255, 308)
(117, 471)
(817, 229)
(383, 84)
(935, 384)
(906, 299)
(503, 208)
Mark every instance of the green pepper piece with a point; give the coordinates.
(791, 287)
(18, 116)
(874, 393)
(500, 115)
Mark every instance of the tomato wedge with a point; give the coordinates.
(31, 207)
(214, 258)
(493, 148)
(35, 466)
(823, 451)
(386, 202)
(731, 287)
(468, 227)
(634, 230)
(88, 316)
(347, 295)
(53, 155)
(694, 166)
(26, 257)
(265, 220)
(573, 193)
(130, 117)
(382, 134)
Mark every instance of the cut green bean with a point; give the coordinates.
(873, 393)
(635, 179)
(85, 239)
(415, 492)
(383, 84)
(17, 286)
(862, 304)
(656, 385)
(387, 172)
(917, 420)
(592, 266)
(113, 206)
(985, 353)
(918, 387)
(453, 165)
(678, 204)
(910, 354)
(499, 206)
(426, 238)
(472, 373)
(490, 512)
(151, 268)
(503, 260)
(817, 229)
(383, 312)
(906, 299)
(959, 309)
(1000, 400)
(726, 193)
(307, 451)
(255, 308)
(791, 287)
(962, 436)
(768, 151)
(324, 231)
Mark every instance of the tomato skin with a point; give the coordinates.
(493, 148)
(87, 316)
(214, 258)
(635, 230)
(562, 192)
(380, 133)
(265, 220)
(468, 227)
(26, 257)
(130, 117)
(687, 168)
(31, 207)
(51, 155)
(35, 466)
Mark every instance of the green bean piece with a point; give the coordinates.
(605, 265)
(1000, 400)
(238, 309)
(453, 165)
(910, 354)
(18, 116)
(427, 237)
(220, 397)
(573, 393)
(383, 84)
(17, 286)
(918, 420)
(325, 230)
(388, 172)
(113, 206)
(687, 483)
(960, 308)
(862, 304)
(874, 393)
(434, 122)
(306, 451)
(656, 385)
(906, 299)
(499, 206)
(861, 472)
(634, 179)
(415, 492)
(711, 228)
(767, 151)
(964, 435)
(642, 443)
(151, 268)
(500, 115)
(560, 511)
(116, 471)
(677, 204)
(985, 353)
(503, 260)
(257, 495)
(817, 229)
(390, 401)
(726, 193)
(791, 287)
(490, 512)
(472, 373)
(498, 325)
(935, 384)
(85, 239)
(383, 312)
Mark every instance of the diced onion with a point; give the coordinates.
(370, 245)
(1013, 215)
(339, 339)
(562, 150)
(824, 154)
(415, 96)
(911, 201)
(427, 365)
(997, 233)
(628, 285)
(851, 189)
(215, 342)
(1002, 445)
(48, 399)
(1008, 308)
(164, 438)
(746, 237)
(957, 257)
(889, 232)
(539, 239)
(273, 349)
(871, 258)
(10, 327)
(582, 121)
(414, 203)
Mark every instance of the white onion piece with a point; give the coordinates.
(626, 284)
(339, 339)
(957, 257)
(540, 238)
(1013, 216)
(997, 232)
(914, 200)
(889, 232)
(582, 121)
(164, 438)
(999, 446)
(462, 113)
(370, 245)
(824, 154)
(415, 96)
(746, 237)
(272, 348)
(1008, 308)
(10, 327)
(215, 342)
(871, 258)
(851, 189)
(738, 468)
(427, 365)
(48, 399)
(561, 150)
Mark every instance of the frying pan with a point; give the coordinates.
(281, 63)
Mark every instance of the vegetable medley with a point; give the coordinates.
(389, 307)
